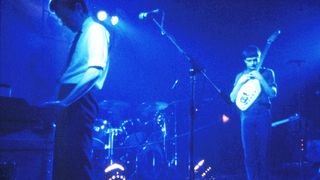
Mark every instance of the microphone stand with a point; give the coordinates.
(195, 69)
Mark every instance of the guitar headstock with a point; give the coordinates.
(273, 36)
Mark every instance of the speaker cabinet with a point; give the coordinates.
(26, 155)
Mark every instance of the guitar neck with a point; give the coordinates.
(263, 55)
(271, 39)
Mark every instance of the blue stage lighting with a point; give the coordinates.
(102, 15)
(114, 20)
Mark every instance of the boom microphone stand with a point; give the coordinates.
(302, 123)
(195, 69)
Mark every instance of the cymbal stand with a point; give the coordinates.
(164, 137)
(110, 147)
(302, 128)
(174, 160)
(301, 132)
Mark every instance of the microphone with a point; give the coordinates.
(144, 15)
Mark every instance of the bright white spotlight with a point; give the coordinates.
(114, 20)
(113, 167)
(114, 171)
(225, 118)
(200, 163)
(102, 15)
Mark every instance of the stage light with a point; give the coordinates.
(196, 167)
(200, 163)
(114, 171)
(102, 15)
(114, 20)
(203, 170)
(114, 167)
(225, 118)
(96, 129)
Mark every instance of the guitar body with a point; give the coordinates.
(247, 94)
(251, 90)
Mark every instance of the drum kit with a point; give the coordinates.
(142, 139)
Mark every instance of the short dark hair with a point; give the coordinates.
(251, 51)
(68, 3)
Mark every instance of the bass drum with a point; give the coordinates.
(135, 136)
(152, 163)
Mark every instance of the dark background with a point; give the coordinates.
(145, 65)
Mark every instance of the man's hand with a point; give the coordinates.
(243, 79)
(255, 75)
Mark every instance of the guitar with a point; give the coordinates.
(250, 91)
(294, 117)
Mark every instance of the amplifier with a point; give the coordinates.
(26, 155)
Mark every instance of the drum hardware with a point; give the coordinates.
(110, 146)
(148, 141)
(113, 105)
(152, 106)
(174, 158)
(107, 135)
(100, 125)
(115, 111)
(134, 132)
(103, 140)
(156, 127)
(151, 163)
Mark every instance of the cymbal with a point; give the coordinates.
(152, 106)
(113, 104)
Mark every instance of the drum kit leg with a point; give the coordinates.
(145, 146)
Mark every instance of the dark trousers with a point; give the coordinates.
(72, 149)
(255, 134)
